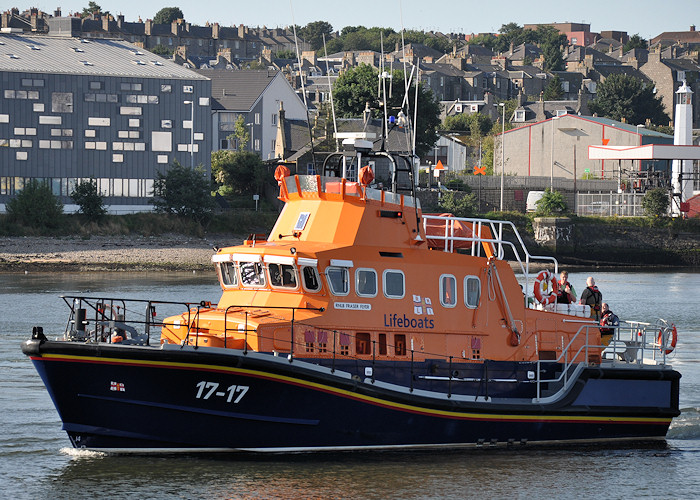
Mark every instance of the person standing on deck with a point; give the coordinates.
(592, 297)
(566, 293)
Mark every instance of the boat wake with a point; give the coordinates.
(687, 425)
(81, 453)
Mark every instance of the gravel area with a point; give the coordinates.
(110, 253)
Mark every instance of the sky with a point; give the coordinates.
(648, 18)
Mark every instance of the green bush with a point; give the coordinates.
(35, 206)
(655, 202)
(89, 199)
(551, 203)
(461, 205)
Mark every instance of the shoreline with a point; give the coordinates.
(110, 253)
(30, 254)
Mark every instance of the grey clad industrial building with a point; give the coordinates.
(74, 109)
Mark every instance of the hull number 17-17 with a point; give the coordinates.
(208, 389)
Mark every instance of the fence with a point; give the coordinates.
(609, 204)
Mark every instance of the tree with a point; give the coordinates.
(313, 33)
(162, 50)
(551, 203)
(623, 97)
(635, 42)
(476, 124)
(553, 90)
(459, 204)
(358, 86)
(655, 202)
(183, 191)
(93, 8)
(240, 133)
(237, 172)
(551, 41)
(35, 206)
(88, 198)
(167, 15)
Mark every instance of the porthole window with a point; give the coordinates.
(472, 291)
(366, 283)
(394, 284)
(310, 279)
(338, 280)
(448, 290)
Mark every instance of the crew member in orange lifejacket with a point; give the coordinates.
(566, 293)
(592, 297)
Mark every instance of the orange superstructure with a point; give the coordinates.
(352, 266)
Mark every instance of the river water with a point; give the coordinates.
(36, 460)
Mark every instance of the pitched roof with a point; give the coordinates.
(65, 55)
(237, 90)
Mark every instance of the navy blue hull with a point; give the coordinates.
(142, 399)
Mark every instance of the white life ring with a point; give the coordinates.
(546, 287)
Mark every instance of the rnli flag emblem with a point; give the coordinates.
(117, 386)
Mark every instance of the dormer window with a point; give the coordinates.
(519, 116)
(562, 112)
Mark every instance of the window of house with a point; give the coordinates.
(61, 102)
(257, 118)
(394, 284)
(680, 76)
(274, 118)
(257, 144)
(338, 280)
(366, 282)
(472, 291)
(565, 86)
(448, 290)
(166, 88)
(520, 115)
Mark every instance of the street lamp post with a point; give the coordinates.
(640, 143)
(503, 148)
(191, 103)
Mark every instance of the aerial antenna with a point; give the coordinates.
(330, 90)
(303, 90)
(382, 79)
(415, 111)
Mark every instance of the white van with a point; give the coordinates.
(532, 198)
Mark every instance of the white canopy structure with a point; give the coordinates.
(646, 152)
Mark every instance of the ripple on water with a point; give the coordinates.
(686, 426)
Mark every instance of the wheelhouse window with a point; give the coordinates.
(252, 274)
(472, 291)
(282, 275)
(366, 282)
(227, 270)
(310, 279)
(338, 280)
(448, 290)
(394, 284)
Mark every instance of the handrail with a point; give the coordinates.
(479, 241)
